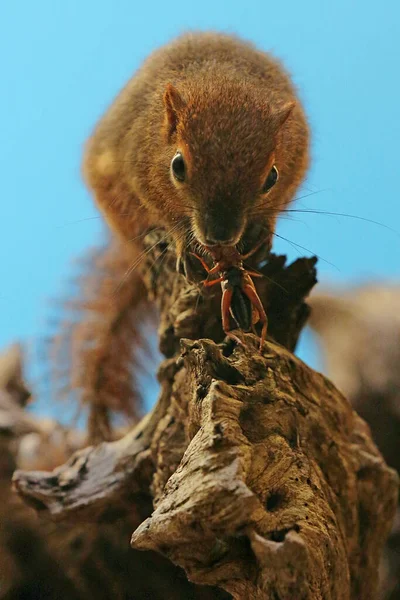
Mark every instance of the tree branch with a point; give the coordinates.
(252, 472)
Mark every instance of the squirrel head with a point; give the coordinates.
(225, 164)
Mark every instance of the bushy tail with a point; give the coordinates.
(97, 351)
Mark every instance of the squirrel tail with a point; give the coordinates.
(101, 344)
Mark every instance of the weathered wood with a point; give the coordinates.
(359, 332)
(78, 561)
(252, 473)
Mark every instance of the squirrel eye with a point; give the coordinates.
(178, 167)
(271, 180)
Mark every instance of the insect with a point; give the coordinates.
(239, 295)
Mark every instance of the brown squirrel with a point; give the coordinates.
(208, 141)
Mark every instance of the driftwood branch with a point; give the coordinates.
(39, 558)
(252, 472)
(359, 332)
(278, 487)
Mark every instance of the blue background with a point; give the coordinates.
(62, 64)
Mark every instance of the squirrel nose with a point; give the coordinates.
(220, 231)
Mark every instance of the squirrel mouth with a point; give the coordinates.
(210, 243)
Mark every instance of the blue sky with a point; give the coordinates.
(62, 64)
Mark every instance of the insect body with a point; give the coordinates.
(239, 295)
(241, 308)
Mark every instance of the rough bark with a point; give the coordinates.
(359, 331)
(252, 472)
(42, 560)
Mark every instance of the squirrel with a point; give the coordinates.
(207, 141)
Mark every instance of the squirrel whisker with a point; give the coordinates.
(142, 255)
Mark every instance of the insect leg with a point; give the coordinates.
(254, 274)
(203, 262)
(208, 283)
(254, 298)
(254, 250)
(225, 312)
(205, 266)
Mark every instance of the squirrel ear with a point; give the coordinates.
(283, 113)
(174, 104)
